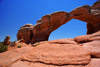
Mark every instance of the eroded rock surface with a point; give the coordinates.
(93, 48)
(48, 54)
(88, 38)
(25, 33)
(9, 57)
(56, 53)
(91, 43)
(95, 62)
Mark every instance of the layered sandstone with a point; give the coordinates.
(25, 33)
(91, 43)
(56, 53)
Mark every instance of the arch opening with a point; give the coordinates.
(71, 29)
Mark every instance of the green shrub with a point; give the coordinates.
(37, 43)
(85, 5)
(3, 48)
(19, 45)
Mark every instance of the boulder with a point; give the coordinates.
(63, 41)
(88, 38)
(95, 62)
(93, 48)
(7, 41)
(58, 41)
(58, 54)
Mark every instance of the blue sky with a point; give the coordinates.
(16, 13)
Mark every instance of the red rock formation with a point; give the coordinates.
(56, 53)
(95, 62)
(91, 43)
(88, 38)
(82, 51)
(90, 28)
(93, 48)
(49, 23)
(90, 15)
(52, 53)
(61, 52)
(7, 41)
(25, 33)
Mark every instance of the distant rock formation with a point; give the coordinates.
(7, 41)
(49, 23)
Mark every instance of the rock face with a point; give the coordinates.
(56, 53)
(95, 62)
(93, 48)
(26, 33)
(90, 43)
(49, 53)
(49, 23)
(88, 38)
(7, 40)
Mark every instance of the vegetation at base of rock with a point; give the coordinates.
(85, 5)
(19, 45)
(37, 43)
(3, 48)
(1, 43)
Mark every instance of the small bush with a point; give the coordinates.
(19, 46)
(3, 48)
(85, 5)
(37, 43)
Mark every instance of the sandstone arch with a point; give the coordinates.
(49, 23)
(70, 29)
